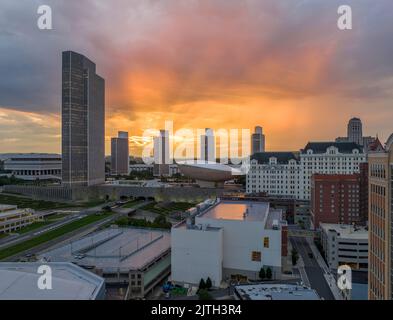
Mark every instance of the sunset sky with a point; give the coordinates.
(281, 64)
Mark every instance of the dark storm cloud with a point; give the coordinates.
(159, 57)
(226, 43)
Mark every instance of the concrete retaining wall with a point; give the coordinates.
(111, 192)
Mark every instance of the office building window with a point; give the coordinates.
(266, 242)
(256, 256)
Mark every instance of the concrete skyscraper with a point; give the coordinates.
(208, 146)
(355, 134)
(257, 141)
(355, 131)
(161, 154)
(380, 212)
(120, 157)
(83, 122)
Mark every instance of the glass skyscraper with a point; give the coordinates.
(120, 157)
(83, 122)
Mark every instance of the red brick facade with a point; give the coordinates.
(336, 198)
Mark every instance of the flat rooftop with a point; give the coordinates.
(346, 231)
(15, 212)
(35, 156)
(238, 210)
(243, 211)
(18, 281)
(275, 292)
(7, 207)
(114, 249)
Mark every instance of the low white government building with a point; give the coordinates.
(12, 219)
(229, 240)
(34, 166)
(345, 245)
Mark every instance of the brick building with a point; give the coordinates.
(380, 276)
(336, 199)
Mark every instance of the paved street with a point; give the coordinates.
(315, 274)
(66, 238)
(16, 238)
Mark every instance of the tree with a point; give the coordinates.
(295, 257)
(202, 284)
(203, 294)
(262, 274)
(208, 283)
(107, 208)
(269, 273)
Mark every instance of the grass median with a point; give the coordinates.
(23, 202)
(33, 226)
(50, 235)
(166, 209)
(132, 204)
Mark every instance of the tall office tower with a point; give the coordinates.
(161, 154)
(355, 134)
(257, 141)
(83, 122)
(208, 146)
(380, 211)
(355, 131)
(120, 157)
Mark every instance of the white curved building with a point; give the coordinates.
(208, 174)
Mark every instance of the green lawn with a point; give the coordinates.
(36, 225)
(33, 226)
(90, 204)
(160, 223)
(26, 245)
(172, 207)
(56, 217)
(22, 202)
(3, 235)
(132, 203)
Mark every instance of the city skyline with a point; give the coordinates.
(289, 78)
(196, 150)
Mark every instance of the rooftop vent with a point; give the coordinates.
(189, 223)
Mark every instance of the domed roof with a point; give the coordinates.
(208, 171)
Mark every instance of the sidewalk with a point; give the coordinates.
(331, 281)
(300, 267)
(303, 274)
